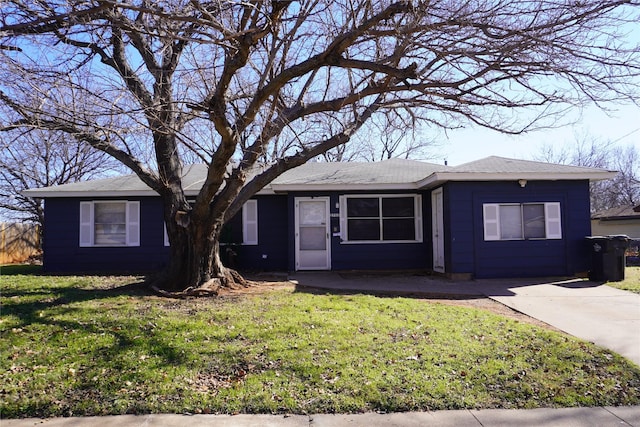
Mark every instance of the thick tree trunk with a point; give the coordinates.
(195, 267)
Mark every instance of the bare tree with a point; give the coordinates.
(384, 137)
(39, 159)
(623, 190)
(232, 82)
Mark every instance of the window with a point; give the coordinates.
(385, 218)
(519, 221)
(110, 223)
(250, 223)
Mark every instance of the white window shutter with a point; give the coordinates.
(86, 224)
(342, 201)
(166, 235)
(133, 223)
(491, 218)
(250, 223)
(553, 220)
(418, 216)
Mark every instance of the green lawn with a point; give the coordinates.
(93, 346)
(631, 280)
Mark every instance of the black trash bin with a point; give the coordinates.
(598, 246)
(615, 261)
(607, 258)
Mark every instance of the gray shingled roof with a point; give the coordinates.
(495, 164)
(388, 174)
(496, 168)
(391, 171)
(131, 185)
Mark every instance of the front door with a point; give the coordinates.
(437, 222)
(313, 248)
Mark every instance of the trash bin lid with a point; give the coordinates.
(619, 237)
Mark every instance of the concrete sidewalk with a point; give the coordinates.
(568, 417)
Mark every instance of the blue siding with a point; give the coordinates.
(271, 252)
(367, 256)
(458, 231)
(62, 252)
(467, 252)
(465, 248)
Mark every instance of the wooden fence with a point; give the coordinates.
(18, 242)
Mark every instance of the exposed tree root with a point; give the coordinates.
(231, 280)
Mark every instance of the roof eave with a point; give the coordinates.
(284, 188)
(438, 178)
(617, 218)
(49, 194)
(88, 194)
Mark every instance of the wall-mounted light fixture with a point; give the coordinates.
(522, 182)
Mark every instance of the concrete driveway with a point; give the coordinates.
(603, 315)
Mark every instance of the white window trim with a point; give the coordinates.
(417, 204)
(250, 207)
(552, 221)
(87, 223)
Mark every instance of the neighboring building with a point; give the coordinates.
(615, 221)
(623, 220)
(494, 217)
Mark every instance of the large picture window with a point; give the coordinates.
(381, 218)
(521, 221)
(110, 223)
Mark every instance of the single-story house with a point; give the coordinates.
(616, 221)
(495, 217)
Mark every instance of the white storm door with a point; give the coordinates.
(437, 222)
(312, 233)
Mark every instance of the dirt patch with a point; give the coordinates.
(258, 287)
(495, 307)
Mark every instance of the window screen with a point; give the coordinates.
(382, 218)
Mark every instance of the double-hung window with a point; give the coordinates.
(522, 221)
(381, 218)
(110, 223)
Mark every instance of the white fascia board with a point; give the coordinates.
(88, 194)
(283, 188)
(267, 191)
(264, 192)
(36, 193)
(440, 177)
